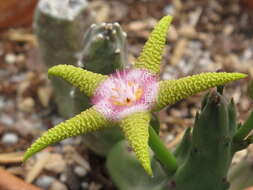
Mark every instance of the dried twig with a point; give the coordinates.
(11, 182)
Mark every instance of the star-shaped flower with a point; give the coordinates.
(128, 97)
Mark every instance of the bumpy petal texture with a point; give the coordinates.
(85, 80)
(135, 128)
(151, 55)
(87, 121)
(171, 91)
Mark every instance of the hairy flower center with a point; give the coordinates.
(125, 94)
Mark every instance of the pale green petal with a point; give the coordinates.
(87, 121)
(151, 55)
(85, 80)
(135, 128)
(171, 91)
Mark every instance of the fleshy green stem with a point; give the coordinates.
(244, 130)
(167, 159)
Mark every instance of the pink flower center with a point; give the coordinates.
(125, 92)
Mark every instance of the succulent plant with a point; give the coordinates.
(128, 97)
(82, 43)
(203, 157)
(107, 40)
(59, 26)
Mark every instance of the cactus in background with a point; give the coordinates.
(59, 26)
(108, 41)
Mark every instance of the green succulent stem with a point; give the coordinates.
(167, 159)
(244, 130)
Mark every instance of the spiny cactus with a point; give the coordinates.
(108, 41)
(59, 26)
(64, 37)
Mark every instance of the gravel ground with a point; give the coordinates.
(205, 36)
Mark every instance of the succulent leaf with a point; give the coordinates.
(151, 55)
(87, 121)
(85, 80)
(135, 128)
(171, 91)
(207, 159)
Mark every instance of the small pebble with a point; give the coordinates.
(10, 58)
(6, 119)
(80, 171)
(27, 105)
(44, 94)
(56, 163)
(9, 138)
(56, 185)
(85, 185)
(45, 181)
(169, 10)
(20, 58)
(169, 138)
(63, 177)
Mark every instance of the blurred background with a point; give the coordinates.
(204, 36)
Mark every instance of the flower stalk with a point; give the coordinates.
(167, 159)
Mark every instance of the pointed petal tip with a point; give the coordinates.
(148, 170)
(151, 55)
(55, 69)
(168, 19)
(36, 147)
(86, 81)
(87, 121)
(28, 154)
(233, 76)
(240, 75)
(135, 128)
(25, 157)
(171, 91)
